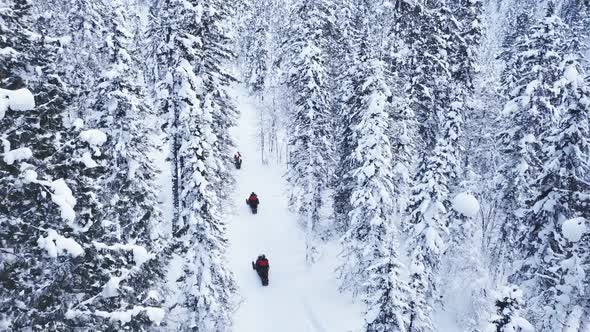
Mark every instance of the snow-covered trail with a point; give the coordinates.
(298, 298)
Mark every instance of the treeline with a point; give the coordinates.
(457, 183)
(84, 242)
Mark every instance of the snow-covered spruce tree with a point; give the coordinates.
(515, 171)
(371, 267)
(16, 42)
(214, 72)
(198, 229)
(133, 268)
(509, 53)
(556, 263)
(466, 32)
(79, 25)
(44, 262)
(576, 14)
(439, 103)
(427, 225)
(530, 111)
(311, 122)
(201, 237)
(344, 72)
(428, 218)
(509, 318)
(256, 45)
(399, 56)
(428, 57)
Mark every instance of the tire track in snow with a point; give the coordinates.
(316, 325)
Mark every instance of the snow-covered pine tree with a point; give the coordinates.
(79, 26)
(509, 53)
(427, 225)
(311, 121)
(256, 45)
(371, 267)
(529, 112)
(557, 258)
(132, 266)
(428, 58)
(515, 171)
(44, 261)
(172, 40)
(201, 235)
(465, 28)
(439, 106)
(576, 14)
(399, 54)
(16, 42)
(177, 38)
(214, 72)
(580, 24)
(344, 71)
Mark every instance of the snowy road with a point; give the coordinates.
(299, 298)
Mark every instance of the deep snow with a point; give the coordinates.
(299, 298)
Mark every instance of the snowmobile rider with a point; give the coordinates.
(262, 266)
(238, 160)
(253, 201)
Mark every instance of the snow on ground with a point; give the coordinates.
(299, 298)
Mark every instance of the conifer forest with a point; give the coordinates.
(407, 165)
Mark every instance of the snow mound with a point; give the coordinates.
(78, 123)
(57, 245)
(29, 176)
(156, 315)
(572, 75)
(17, 155)
(111, 289)
(154, 295)
(466, 204)
(87, 160)
(573, 229)
(140, 254)
(62, 196)
(93, 137)
(16, 100)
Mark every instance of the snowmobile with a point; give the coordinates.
(261, 267)
(253, 202)
(238, 160)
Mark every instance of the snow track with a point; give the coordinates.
(299, 298)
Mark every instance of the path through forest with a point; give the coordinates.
(299, 298)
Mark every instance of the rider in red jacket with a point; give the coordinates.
(262, 266)
(253, 201)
